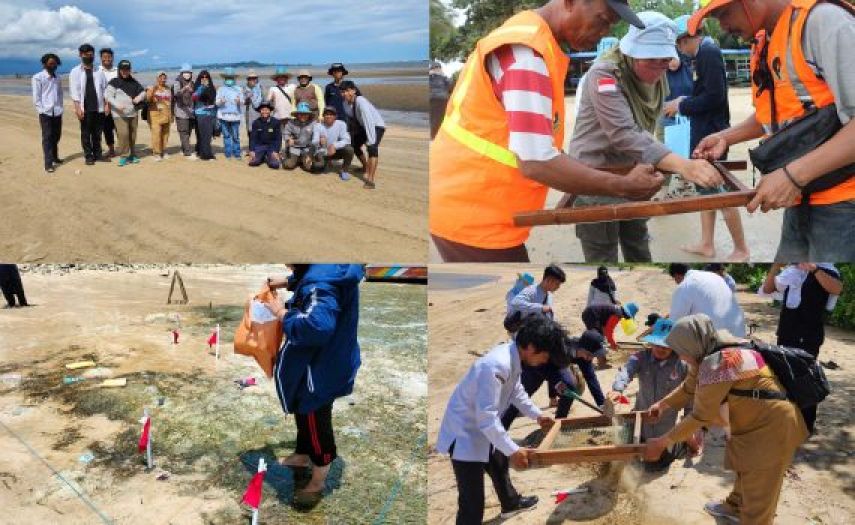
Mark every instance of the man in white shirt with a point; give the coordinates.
(335, 141)
(279, 96)
(47, 98)
(471, 431)
(87, 91)
(107, 124)
(700, 292)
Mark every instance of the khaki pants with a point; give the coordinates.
(755, 495)
(159, 136)
(126, 133)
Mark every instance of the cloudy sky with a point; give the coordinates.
(168, 32)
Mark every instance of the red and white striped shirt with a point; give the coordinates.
(521, 82)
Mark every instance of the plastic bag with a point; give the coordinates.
(259, 334)
(678, 136)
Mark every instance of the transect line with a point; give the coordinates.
(56, 473)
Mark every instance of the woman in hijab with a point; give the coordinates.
(125, 95)
(160, 103)
(619, 106)
(205, 109)
(765, 427)
(603, 289)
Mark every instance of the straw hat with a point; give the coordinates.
(304, 73)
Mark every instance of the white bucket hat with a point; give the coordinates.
(657, 40)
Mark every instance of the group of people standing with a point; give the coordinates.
(291, 125)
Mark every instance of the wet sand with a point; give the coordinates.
(762, 230)
(218, 211)
(207, 433)
(466, 322)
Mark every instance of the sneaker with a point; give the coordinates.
(134, 160)
(165, 156)
(344, 175)
(191, 157)
(58, 161)
(525, 503)
(722, 510)
(156, 158)
(51, 169)
(90, 162)
(123, 161)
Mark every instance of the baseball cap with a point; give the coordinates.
(658, 39)
(592, 341)
(621, 7)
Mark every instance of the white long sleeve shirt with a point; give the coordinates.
(707, 293)
(47, 93)
(472, 419)
(369, 118)
(77, 85)
(336, 134)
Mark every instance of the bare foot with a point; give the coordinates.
(738, 256)
(319, 478)
(699, 249)
(295, 460)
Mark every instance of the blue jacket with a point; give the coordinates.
(708, 107)
(320, 357)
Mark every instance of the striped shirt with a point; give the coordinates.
(521, 82)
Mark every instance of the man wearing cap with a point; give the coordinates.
(659, 371)
(306, 91)
(708, 110)
(302, 137)
(280, 96)
(524, 280)
(265, 137)
(87, 92)
(253, 97)
(700, 292)
(498, 150)
(332, 91)
(802, 62)
(471, 431)
(185, 118)
(335, 142)
(229, 102)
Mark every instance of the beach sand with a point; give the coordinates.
(206, 432)
(466, 322)
(218, 211)
(668, 234)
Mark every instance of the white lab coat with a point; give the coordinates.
(472, 418)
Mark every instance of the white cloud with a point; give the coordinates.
(33, 29)
(136, 53)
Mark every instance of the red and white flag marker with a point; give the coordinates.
(252, 496)
(214, 341)
(145, 438)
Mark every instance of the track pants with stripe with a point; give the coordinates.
(315, 436)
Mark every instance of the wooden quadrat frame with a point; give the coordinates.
(736, 195)
(545, 455)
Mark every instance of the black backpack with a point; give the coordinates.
(799, 373)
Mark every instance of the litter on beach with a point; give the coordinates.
(80, 364)
(121, 381)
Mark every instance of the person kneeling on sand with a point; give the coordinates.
(659, 372)
(471, 431)
(266, 139)
(335, 142)
(766, 428)
(317, 363)
(302, 139)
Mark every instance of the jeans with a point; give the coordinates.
(814, 233)
(231, 138)
(262, 154)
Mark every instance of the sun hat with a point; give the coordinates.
(302, 107)
(526, 277)
(337, 66)
(657, 40)
(304, 73)
(229, 72)
(661, 330)
(682, 23)
(186, 68)
(251, 74)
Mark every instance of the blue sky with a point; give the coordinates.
(169, 32)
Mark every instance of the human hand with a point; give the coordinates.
(546, 308)
(701, 172)
(672, 107)
(545, 422)
(275, 283)
(641, 183)
(79, 112)
(775, 191)
(331, 150)
(519, 459)
(653, 448)
(654, 413)
(711, 147)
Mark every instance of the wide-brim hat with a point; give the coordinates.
(304, 73)
(251, 74)
(526, 277)
(630, 309)
(337, 66)
(660, 332)
(264, 105)
(229, 72)
(302, 108)
(281, 72)
(658, 39)
(706, 7)
(186, 68)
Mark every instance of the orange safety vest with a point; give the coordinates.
(475, 184)
(797, 87)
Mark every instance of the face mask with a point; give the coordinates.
(50, 69)
(229, 82)
(88, 60)
(186, 76)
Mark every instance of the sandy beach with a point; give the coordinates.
(219, 211)
(467, 305)
(668, 234)
(207, 433)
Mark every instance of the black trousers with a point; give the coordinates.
(11, 285)
(51, 133)
(315, 436)
(90, 134)
(470, 486)
(109, 128)
(204, 136)
(531, 378)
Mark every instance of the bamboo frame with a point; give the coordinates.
(544, 455)
(738, 195)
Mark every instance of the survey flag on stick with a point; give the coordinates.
(252, 496)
